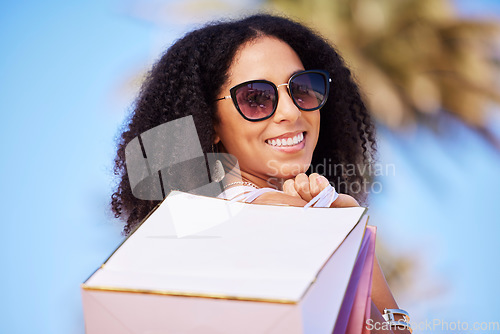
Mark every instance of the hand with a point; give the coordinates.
(305, 187)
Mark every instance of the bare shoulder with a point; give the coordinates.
(279, 198)
(344, 201)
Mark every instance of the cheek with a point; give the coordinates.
(236, 134)
(315, 122)
(224, 125)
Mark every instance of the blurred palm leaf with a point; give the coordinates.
(413, 58)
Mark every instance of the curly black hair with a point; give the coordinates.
(188, 77)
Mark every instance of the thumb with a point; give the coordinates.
(289, 188)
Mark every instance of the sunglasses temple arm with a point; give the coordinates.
(224, 98)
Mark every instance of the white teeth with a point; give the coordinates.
(287, 141)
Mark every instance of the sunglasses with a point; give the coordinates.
(257, 100)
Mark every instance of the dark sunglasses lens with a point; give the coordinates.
(256, 100)
(308, 90)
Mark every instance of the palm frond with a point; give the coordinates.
(413, 57)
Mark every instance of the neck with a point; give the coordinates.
(237, 175)
(262, 182)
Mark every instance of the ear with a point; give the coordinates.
(216, 138)
(216, 134)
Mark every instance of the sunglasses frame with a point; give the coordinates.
(232, 91)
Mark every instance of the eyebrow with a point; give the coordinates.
(295, 72)
(231, 84)
(291, 75)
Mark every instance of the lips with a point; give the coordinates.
(286, 140)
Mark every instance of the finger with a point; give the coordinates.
(317, 183)
(314, 187)
(302, 186)
(289, 188)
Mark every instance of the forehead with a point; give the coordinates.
(264, 58)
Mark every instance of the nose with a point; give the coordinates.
(286, 110)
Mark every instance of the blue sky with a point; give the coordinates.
(63, 67)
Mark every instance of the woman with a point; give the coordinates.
(273, 94)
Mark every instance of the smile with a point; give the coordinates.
(286, 141)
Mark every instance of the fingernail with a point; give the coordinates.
(321, 180)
